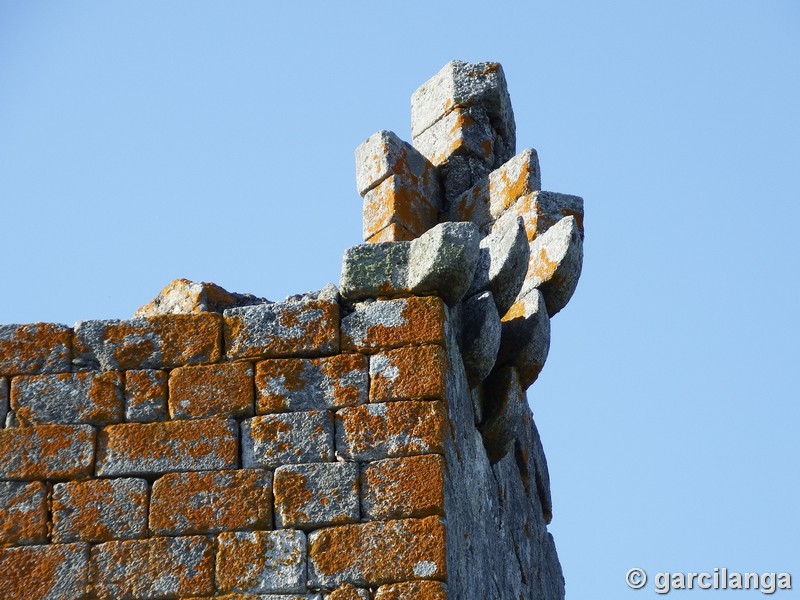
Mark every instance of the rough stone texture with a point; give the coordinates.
(50, 572)
(262, 561)
(377, 552)
(391, 233)
(211, 390)
(211, 501)
(34, 348)
(47, 452)
(289, 438)
(316, 495)
(375, 431)
(386, 324)
(555, 264)
(99, 510)
(185, 297)
(413, 590)
(297, 384)
(541, 210)
(145, 395)
(149, 448)
(398, 488)
(462, 131)
(23, 512)
(162, 567)
(525, 339)
(461, 173)
(503, 263)
(372, 270)
(397, 201)
(348, 592)
(479, 336)
(163, 341)
(92, 398)
(410, 373)
(296, 327)
(503, 405)
(3, 400)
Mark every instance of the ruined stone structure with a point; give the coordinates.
(366, 442)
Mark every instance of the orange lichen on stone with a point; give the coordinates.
(270, 441)
(23, 512)
(411, 373)
(34, 348)
(391, 233)
(147, 448)
(375, 431)
(396, 201)
(379, 552)
(47, 452)
(211, 390)
(49, 571)
(413, 590)
(349, 592)
(211, 501)
(397, 488)
(315, 495)
(145, 395)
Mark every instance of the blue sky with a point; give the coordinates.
(140, 142)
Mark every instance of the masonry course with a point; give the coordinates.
(370, 441)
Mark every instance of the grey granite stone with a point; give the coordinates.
(258, 562)
(287, 438)
(372, 270)
(309, 496)
(479, 336)
(525, 338)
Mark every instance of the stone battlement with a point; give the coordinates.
(368, 441)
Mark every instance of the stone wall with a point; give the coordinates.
(370, 441)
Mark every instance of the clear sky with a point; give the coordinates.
(144, 141)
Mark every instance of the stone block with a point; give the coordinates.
(462, 131)
(409, 373)
(306, 327)
(391, 233)
(52, 571)
(99, 510)
(525, 338)
(370, 554)
(161, 567)
(47, 452)
(349, 592)
(94, 398)
(163, 341)
(375, 431)
(386, 324)
(23, 512)
(541, 210)
(412, 590)
(211, 501)
(270, 441)
(302, 384)
(503, 405)
(145, 395)
(224, 390)
(151, 448)
(316, 495)
(398, 488)
(459, 174)
(373, 270)
(397, 201)
(186, 297)
(479, 336)
(261, 562)
(34, 348)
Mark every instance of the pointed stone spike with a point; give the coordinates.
(504, 402)
(525, 339)
(479, 336)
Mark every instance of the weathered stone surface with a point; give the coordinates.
(375, 431)
(442, 261)
(259, 597)
(49, 572)
(488, 199)
(410, 373)
(163, 341)
(504, 401)
(461, 84)
(99, 510)
(555, 264)
(397, 201)
(503, 263)
(387, 324)
(479, 336)
(149, 448)
(47, 452)
(3, 400)
(304, 326)
(161, 567)
(384, 154)
(541, 210)
(288, 438)
(145, 395)
(525, 339)
(369, 554)
(185, 297)
(391, 233)
(299, 384)
(349, 592)
(532, 464)
(212, 390)
(262, 561)
(34, 348)
(459, 174)
(211, 501)
(462, 131)
(92, 398)
(372, 270)
(413, 590)
(23, 513)
(315, 495)
(397, 488)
